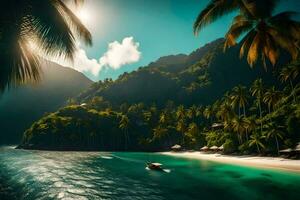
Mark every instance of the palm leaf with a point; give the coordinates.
(213, 11)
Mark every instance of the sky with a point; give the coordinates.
(132, 33)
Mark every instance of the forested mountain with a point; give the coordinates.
(20, 107)
(173, 100)
(198, 78)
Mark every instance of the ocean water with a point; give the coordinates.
(96, 175)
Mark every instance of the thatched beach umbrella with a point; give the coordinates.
(289, 150)
(205, 148)
(221, 148)
(176, 147)
(214, 148)
(297, 148)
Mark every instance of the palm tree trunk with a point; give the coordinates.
(258, 148)
(277, 144)
(260, 116)
(244, 107)
(292, 86)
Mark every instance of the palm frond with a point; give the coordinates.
(75, 23)
(213, 11)
(239, 26)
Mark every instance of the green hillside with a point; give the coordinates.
(176, 100)
(20, 107)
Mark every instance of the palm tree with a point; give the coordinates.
(192, 132)
(271, 98)
(239, 97)
(289, 73)
(225, 112)
(250, 125)
(215, 9)
(255, 139)
(181, 128)
(257, 90)
(264, 34)
(192, 112)
(273, 131)
(48, 23)
(159, 132)
(239, 125)
(180, 113)
(124, 125)
(208, 112)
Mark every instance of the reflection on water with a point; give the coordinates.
(94, 175)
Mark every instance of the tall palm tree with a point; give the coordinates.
(257, 90)
(264, 34)
(49, 23)
(124, 125)
(215, 9)
(208, 112)
(181, 128)
(225, 112)
(239, 125)
(159, 132)
(271, 98)
(239, 97)
(192, 112)
(180, 113)
(273, 131)
(289, 73)
(255, 139)
(192, 132)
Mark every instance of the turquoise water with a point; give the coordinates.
(94, 175)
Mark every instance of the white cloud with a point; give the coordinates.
(116, 56)
(119, 54)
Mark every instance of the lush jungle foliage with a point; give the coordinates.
(259, 119)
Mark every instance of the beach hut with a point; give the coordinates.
(214, 148)
(216, 126)
(205, 148)
(176, 147)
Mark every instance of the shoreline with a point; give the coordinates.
(276, 163)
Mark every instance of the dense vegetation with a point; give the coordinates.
(131, 114)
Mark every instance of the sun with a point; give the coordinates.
(83, 15)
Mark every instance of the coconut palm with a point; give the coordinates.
(289, 73)
(239, 97)
(215, 9)
(264, 34)
(159, 132)
(239, 125)
(48, 23)
(181, 128)
(271, 98)
(192, 112)
(124, 125)
(256, 139)
(225, 112)
(257, 90)
(208, 112)
(192, 132)
(273, 131)
(180, 113)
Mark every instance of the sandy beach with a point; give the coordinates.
(252, 161)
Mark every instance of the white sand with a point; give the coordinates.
(252, 161)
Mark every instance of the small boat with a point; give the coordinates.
(154, 166)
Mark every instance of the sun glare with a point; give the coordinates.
(83, 15)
